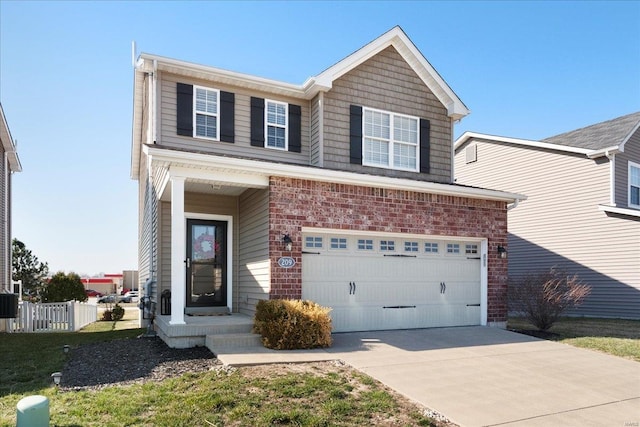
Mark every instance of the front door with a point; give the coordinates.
(206, 263)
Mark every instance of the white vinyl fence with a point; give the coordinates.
(68, 316)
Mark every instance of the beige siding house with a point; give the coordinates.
(9, 163)
(582, 212)
(339, 190)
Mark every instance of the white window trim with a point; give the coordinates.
(631, 165)
(391, 141)
(195, 113)
(267, 124)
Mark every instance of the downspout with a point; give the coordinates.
(154, 109)
(453, 152)
(612, 177)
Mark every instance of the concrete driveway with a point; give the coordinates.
(480, 376)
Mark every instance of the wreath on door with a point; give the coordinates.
(205, 246)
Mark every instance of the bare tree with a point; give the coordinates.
(543, 297)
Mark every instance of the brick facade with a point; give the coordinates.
(297, 203)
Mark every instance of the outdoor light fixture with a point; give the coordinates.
(57, 377)
(66, 348)
(502, 252)
(288, 243)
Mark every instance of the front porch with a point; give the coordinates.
(209, 330)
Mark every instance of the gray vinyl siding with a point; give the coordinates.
(560, 223)
(316, 150)
(148, 232)
(631, 153)
(388, 83)
(242, 145)
(254, 266)
(5, 237)
(197, 203)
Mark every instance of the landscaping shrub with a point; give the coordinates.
(114, 314)
(292, 324)
(542, 297)
(117, 313)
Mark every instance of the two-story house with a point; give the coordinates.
(582, 213)
(339, 190)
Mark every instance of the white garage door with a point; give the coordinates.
(378, 282)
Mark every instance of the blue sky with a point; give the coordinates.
(525, 69)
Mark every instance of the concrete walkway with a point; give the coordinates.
(480, 376)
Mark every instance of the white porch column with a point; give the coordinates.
(178, 251)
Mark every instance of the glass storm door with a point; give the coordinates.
(206, 263)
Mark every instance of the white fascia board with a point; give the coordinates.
(8, 145)
(226, 177)
(620, 211)
(267, 169)
(524, 142)
(136, 127)
(175, 66)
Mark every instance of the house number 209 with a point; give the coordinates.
(286, 262)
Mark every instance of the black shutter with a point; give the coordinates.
(227, 116)
(184, 109)
(257, 122)
(355, 134)
(295, 128)
(425, 142)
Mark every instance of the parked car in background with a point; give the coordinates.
(93, 293)
(131, 296)
(107, 299)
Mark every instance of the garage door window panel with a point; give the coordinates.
(431, 247)
(453, 248)
(365, 244)
(387, 245)
(338, 243)
(313, 242)
(411, 247)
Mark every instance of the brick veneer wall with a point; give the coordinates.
(297, 203)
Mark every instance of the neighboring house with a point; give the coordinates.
(583, 208)
(339, 190)
(9, 163)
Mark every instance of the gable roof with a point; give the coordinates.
(396, 37)
(608, 134)
(592, 141)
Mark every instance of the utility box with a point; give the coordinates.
(8, 306)
(33, 411)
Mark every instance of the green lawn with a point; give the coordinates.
(314, 395)
(614, 336)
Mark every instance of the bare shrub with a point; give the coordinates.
(544, 296)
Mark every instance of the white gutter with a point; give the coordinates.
(262, 168)
(525, 142)
(513, 205)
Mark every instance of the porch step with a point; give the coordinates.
(241, 340)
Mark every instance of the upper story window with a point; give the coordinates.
(276, 124)
(206, 112)
(390, 140)
(634, 185)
